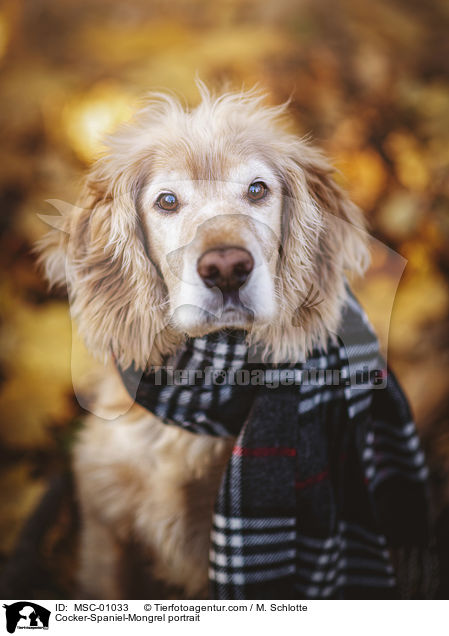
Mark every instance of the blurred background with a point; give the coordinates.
(369, 82)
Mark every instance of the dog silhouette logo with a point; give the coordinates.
(26, 615)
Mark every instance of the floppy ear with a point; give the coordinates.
(116, 295)
(323, 239)
(343, 219)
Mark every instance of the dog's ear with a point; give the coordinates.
(323, 239)
(318, 211)
(116, 295)
(344, 221)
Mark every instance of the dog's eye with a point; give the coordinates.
(257, 190)
(167, 202)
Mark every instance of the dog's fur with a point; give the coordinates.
(134, 290)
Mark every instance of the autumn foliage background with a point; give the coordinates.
(369, 82)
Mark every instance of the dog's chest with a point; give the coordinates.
(157, 484)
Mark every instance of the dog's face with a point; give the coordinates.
(203, 219)
(215, 241)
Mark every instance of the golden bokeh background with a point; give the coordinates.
(369, 81)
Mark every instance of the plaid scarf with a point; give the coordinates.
(326, 475)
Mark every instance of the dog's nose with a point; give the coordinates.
(225, 267)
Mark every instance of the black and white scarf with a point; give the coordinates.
(326, 476)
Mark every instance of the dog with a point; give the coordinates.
(193, 221)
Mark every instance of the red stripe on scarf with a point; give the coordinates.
(264, 452)
(314, 479)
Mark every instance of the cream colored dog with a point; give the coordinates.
(193, 221)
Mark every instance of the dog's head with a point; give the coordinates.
(201, 219)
